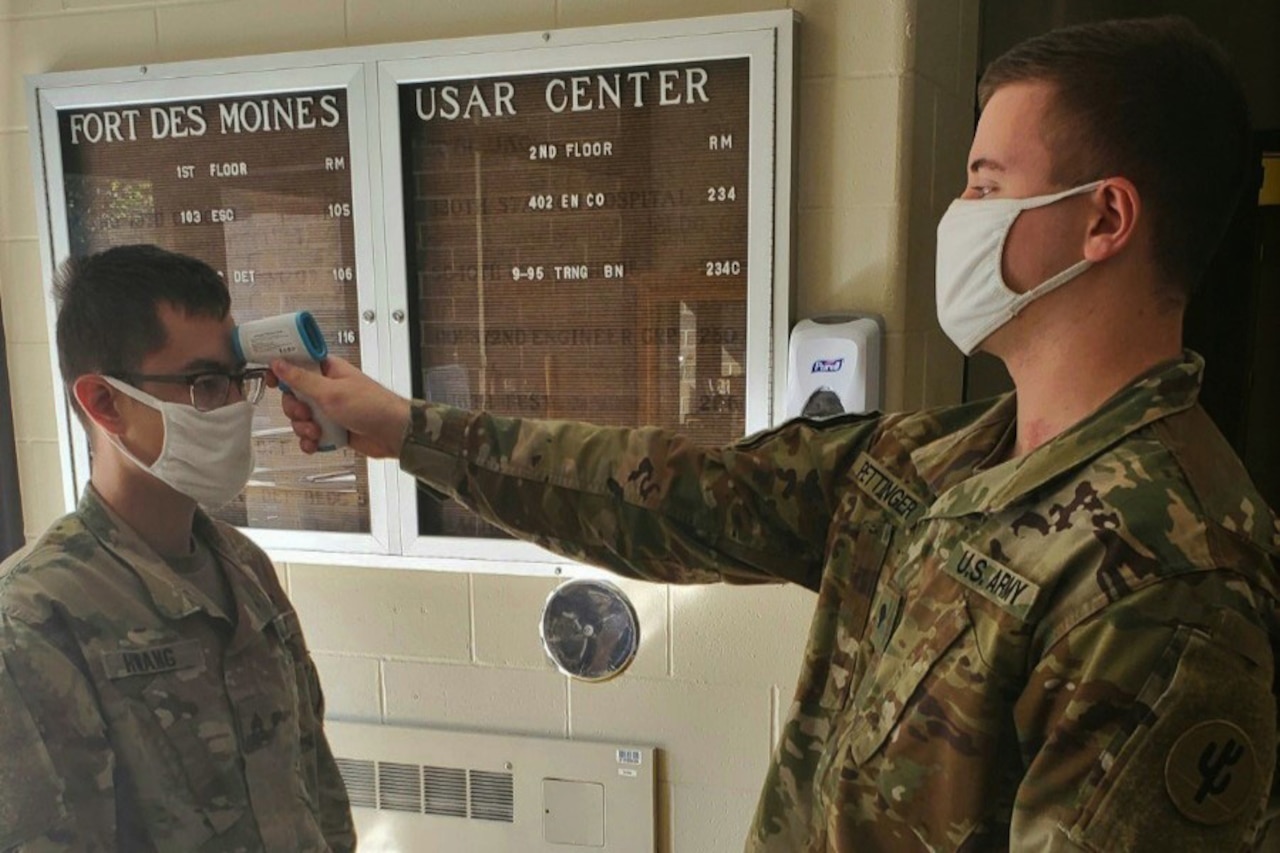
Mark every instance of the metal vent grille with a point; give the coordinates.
(358, 774)
(399, 787)
(492, 796)
(445, 790)
(428, 789)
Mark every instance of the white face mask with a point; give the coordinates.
(207, 456)
(973, 299)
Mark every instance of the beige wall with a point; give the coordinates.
(885, 111)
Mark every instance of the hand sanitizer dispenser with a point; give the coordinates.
(834, 366)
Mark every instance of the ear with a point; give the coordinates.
(98, 400)
(1116, 209)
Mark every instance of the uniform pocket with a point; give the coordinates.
(847, 599)
(203, 744)
(929, 629)
(306, 703)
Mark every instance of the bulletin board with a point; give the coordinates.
(583, 224)
(577, 246)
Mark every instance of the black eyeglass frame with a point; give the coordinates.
(254, 377)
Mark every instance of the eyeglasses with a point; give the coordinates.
(209, 391)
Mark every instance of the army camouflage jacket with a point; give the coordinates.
(1070, 650)
(135, 716)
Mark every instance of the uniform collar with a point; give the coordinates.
(174, 597)
(958, 454)
(1164, 390)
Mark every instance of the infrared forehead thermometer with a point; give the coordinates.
(296, 338)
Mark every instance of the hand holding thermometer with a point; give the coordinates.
(296, 338)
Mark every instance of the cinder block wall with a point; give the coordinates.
(885, 114)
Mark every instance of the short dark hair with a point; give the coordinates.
(107, 321)
(1152, 100)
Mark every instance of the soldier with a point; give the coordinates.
(1044, 621)
(155, 689)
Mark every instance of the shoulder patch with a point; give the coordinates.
(994, 581)
(151, 660)
(1211, 773)
(886, 489)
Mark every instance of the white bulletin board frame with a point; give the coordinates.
(371, 76)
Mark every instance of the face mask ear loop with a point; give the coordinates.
(1021, 300)
(1045, 201)
(1049, 285)
(133, 393)
(154, 404)
(115, 385)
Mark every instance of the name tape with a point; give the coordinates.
(153, 659)
(886, 489)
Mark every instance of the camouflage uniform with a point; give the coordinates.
(1071, 650)
(135, 717)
